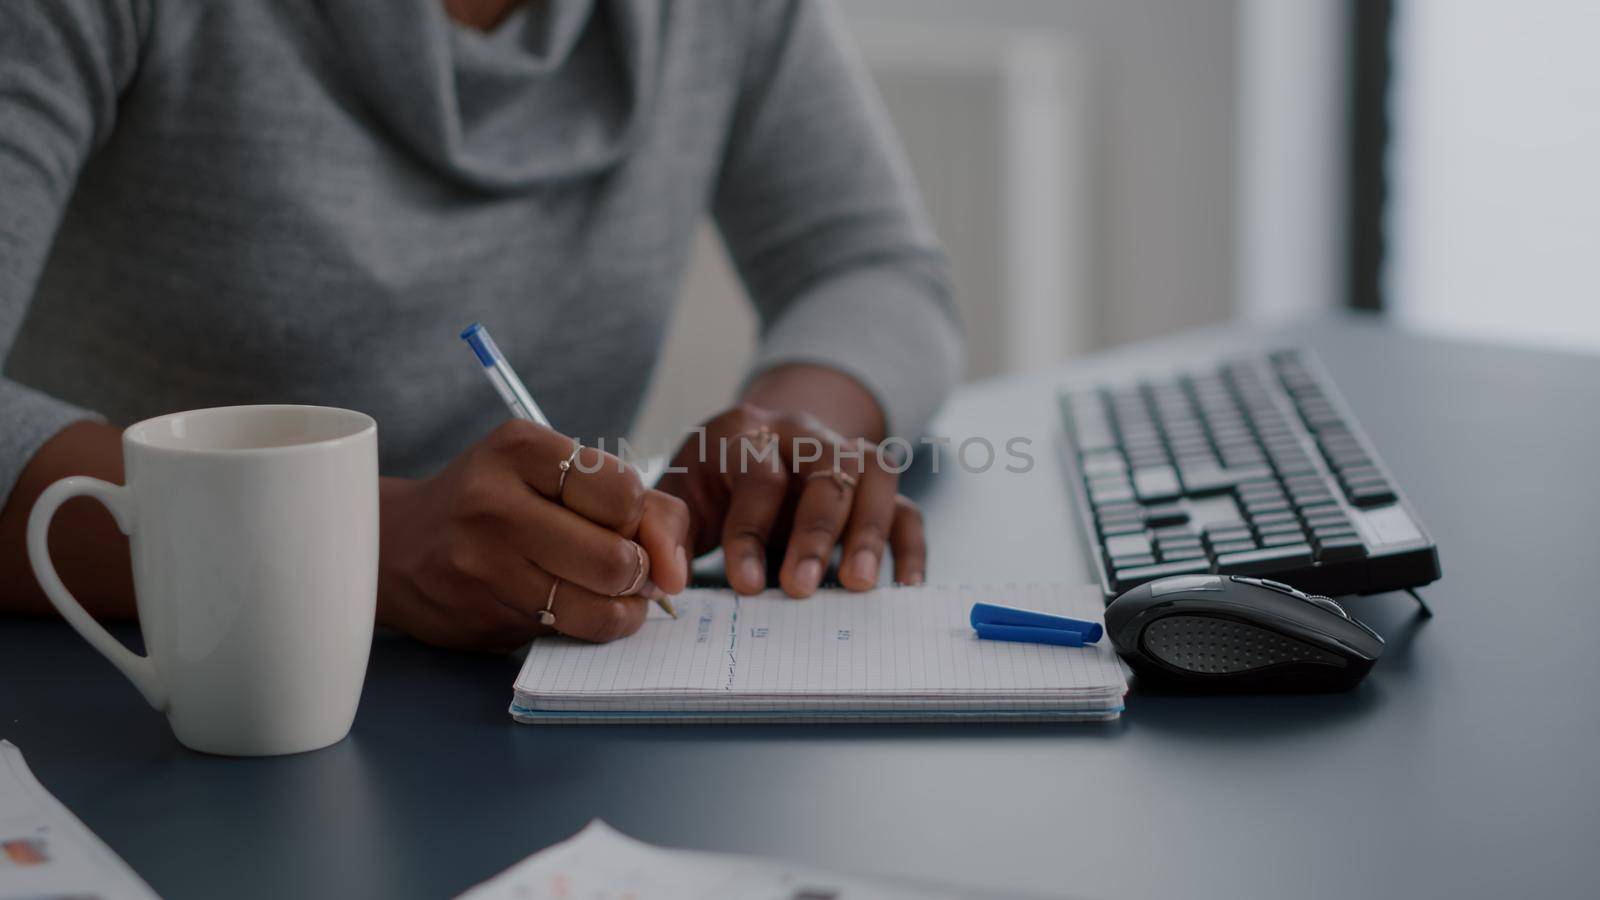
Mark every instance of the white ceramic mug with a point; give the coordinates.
(254, 532)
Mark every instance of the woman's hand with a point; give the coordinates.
(778, 485)
(467, 558)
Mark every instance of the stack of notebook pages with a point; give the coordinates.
(897, 654)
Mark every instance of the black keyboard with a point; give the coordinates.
(1254, 466)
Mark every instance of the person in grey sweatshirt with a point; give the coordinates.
(303, 201)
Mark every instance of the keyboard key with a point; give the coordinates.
(1375, 487)
(1104, 462)
(1325, 532)
(1322, 511)
(1337, 548)
(1278, 539)
(1103, 481)
(1225, 548)
(1167, 548)
(1372, 495)
(1278, 528)
(1346, 453)
(1102, 494)
(1317, 503)
(1156, 483)
(1322, 532)
(1337, 439)
(1309, 499)
(1328, 520)
(1131, 576)
(1299, 464)
(1224, 535)
(1128, 545)
(1240, 458)
(1274, 518)
(1360, 473)
(1194, 552)
(1121, 526)
(1260, 490)
(1140, 454)
(1170, 514)
(1271, 559)
(1143, 435)
(1227, 425)
(1213, 479)
(1129, 509)
(1257, 507)
(1276, 431)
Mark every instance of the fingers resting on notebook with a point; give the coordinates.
(781, 492)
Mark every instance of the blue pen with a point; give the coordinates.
(500, 374)
(515, 394)
(1005, 623)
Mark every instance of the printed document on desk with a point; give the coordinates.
(45, 852)
(601, 863)
(893, 654)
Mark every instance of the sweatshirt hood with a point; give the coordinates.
(462, 100)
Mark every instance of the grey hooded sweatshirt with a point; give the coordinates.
(304, 201)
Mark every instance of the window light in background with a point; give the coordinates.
(1494, 167)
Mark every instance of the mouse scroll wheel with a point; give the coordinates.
(1328, 604)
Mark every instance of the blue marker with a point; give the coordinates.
(500, 374)
(1020, 634)
(1005, 623)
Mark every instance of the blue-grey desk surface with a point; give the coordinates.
(1465, 766)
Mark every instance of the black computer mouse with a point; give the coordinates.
(1228, 633)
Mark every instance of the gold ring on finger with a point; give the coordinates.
(638, 575)
(842, 480)
(566, 466)
(761, 438)
(763, 435)
(547, 615)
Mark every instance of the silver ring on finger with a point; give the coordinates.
(547, 615)
(566, 466)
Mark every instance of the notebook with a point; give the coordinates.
(895, 654)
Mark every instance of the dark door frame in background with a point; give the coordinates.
(1371, 67)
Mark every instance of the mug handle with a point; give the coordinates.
(139, 669)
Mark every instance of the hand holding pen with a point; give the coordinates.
(499, 547)
(522, 406)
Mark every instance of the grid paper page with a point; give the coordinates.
(894, 649)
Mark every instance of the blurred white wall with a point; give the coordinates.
(1293, 114)
(1159, 132)
(1494, 225)
(1080, 165)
